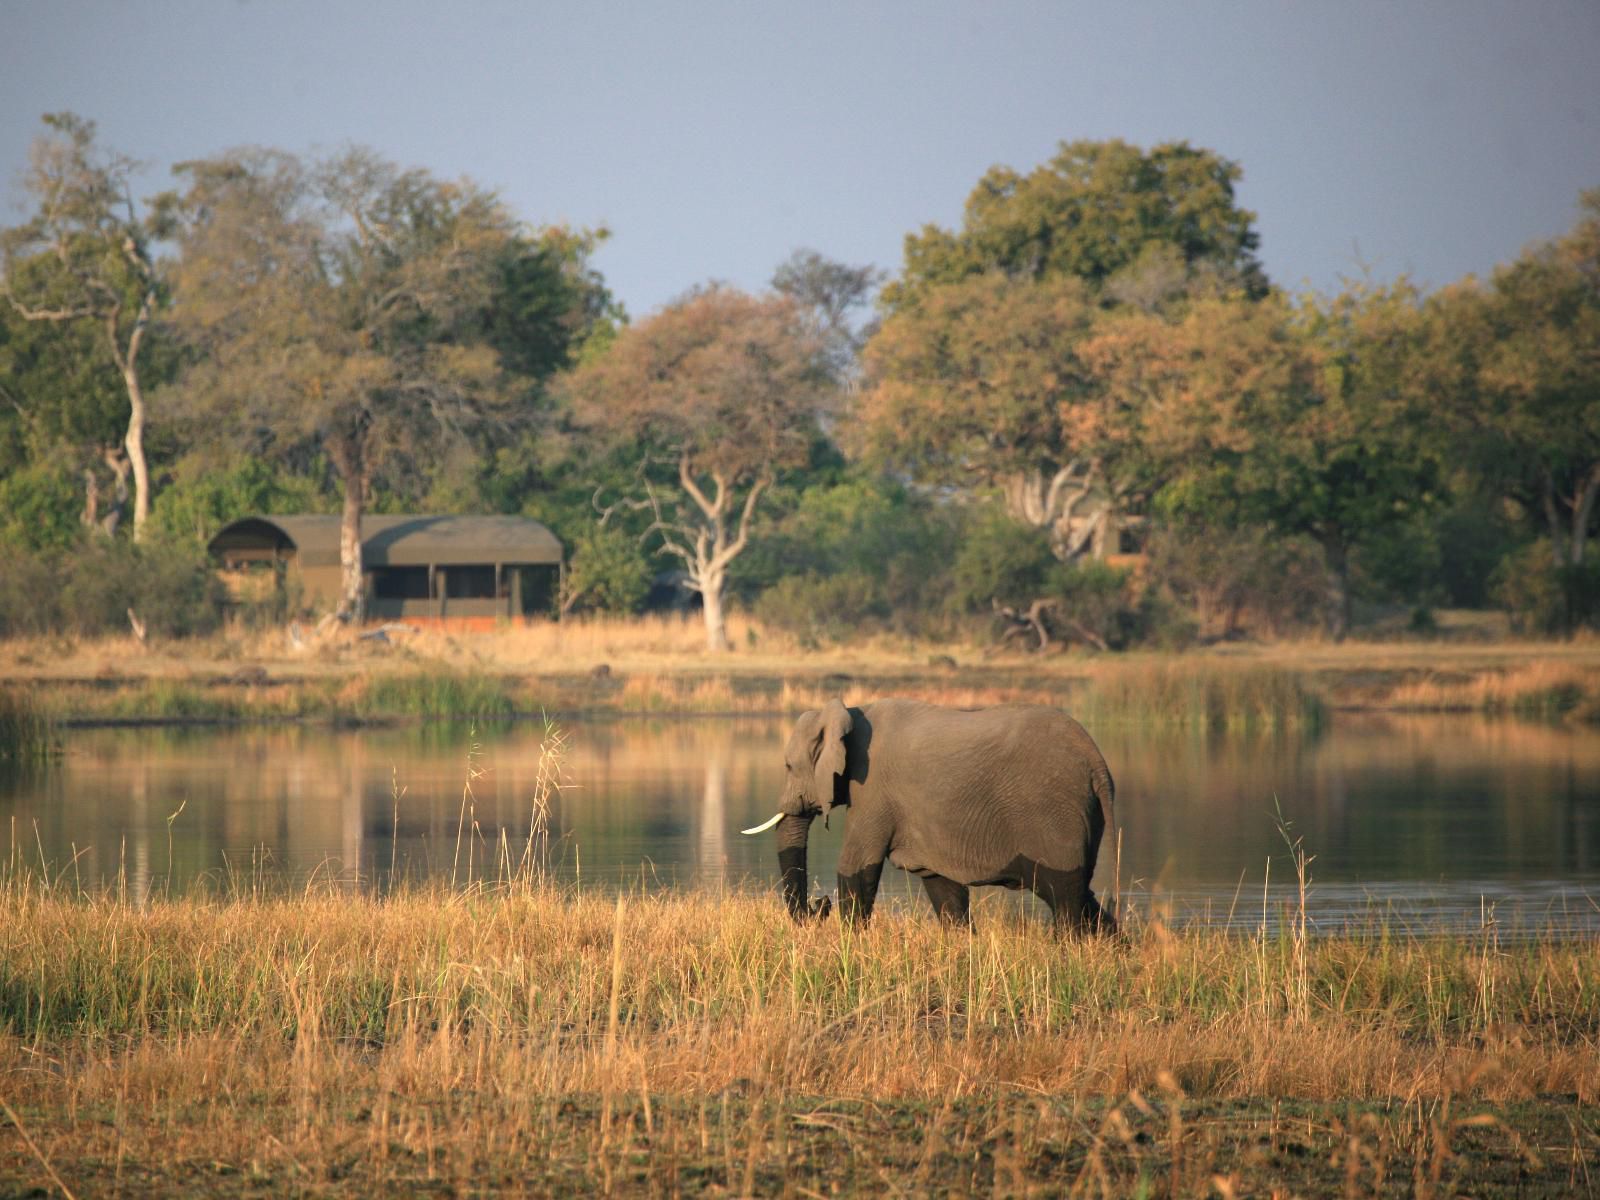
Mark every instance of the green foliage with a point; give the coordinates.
(88, 587)
(1517, 364)
(1094, 598)
(1002, 562)
(1091, 212)
(608, 571)
(198, 504)
(83, 262)
(820, 608)
(61, 385)
(860, 555)
(1099, 322)
(39, 506)
(1400, 561)
(1474, 534)
(549, 303)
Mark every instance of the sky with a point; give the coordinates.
(1432, 139)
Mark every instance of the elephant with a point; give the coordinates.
(1015, 796)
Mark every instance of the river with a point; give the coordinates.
(1431, 822)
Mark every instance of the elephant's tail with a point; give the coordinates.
(1105, 791)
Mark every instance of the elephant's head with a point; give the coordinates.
(813, 760)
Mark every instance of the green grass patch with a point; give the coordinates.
(1204, 696)
(26, 731)
(432, 694)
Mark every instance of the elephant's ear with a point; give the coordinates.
(836, 722)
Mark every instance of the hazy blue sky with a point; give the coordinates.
(715, 138)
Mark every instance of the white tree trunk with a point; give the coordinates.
(1583, 513)
(351, 592)
(135, 446)
(711, 585)
(1051, 502)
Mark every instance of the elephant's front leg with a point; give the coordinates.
(858, 889)
(866, 845)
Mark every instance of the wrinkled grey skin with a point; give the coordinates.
(1016, 796)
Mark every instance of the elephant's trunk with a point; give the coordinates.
(793, 835)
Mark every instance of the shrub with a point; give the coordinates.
(608, 573)
(28, 587)
(39, 508)
(824, 608)
(1541, 595)
(1233, 577)
(1001, 561)
(170, 585)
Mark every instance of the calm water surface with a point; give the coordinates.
(1437, 822)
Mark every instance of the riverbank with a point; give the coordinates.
(524, 1038)
(657, 666)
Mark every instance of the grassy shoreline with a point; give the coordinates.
(657, 666)
(1199, 691)
(329, 1043)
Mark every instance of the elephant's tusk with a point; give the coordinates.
(762, 828)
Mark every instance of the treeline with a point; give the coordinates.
(1084, 415)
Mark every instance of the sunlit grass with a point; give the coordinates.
(714, 988)
(1538, 689)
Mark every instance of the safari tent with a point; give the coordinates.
(413, 567)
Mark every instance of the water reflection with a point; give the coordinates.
(1408, 816)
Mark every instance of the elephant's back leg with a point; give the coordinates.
(950, 899)
(1073, 907)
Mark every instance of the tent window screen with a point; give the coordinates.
(400, 583)
(469, 583)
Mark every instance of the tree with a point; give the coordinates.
(981, 384)
(1522, 359)
(1093, 212)
(977, 373)
(102, 271)
(63, 407)
(723, 391)
(831, 293)
(349, 307)
(1310, 420)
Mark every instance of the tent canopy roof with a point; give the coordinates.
(398, 540)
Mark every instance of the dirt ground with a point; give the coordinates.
(731, 1145)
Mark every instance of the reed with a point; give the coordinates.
(1203, 694)
(26, 733)
(430, 693)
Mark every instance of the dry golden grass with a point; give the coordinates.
(717, 991)
(344, 1043)
(1541, 688)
